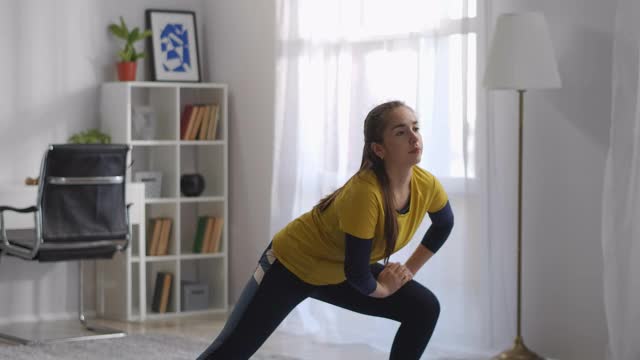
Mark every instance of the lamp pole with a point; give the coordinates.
(519, 350)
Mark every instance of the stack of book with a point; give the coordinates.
(159, 238)
(208, 235)
(162, 292)
(199, 122)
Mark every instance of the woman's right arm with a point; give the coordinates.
(357, 253)
(380, 292)
(358, 272)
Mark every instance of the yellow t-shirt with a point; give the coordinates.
(313, 245)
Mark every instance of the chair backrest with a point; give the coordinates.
(82, 193)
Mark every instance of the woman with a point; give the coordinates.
(330, 253)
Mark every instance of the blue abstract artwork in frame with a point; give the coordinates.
(174, 41)
(174, 45)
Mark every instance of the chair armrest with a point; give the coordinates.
(20, 210)
(5, 245)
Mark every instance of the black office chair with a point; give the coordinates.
(80, 214)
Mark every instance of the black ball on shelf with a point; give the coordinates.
(191, 184)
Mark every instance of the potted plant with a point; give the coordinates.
(128, 55)
(92, 136)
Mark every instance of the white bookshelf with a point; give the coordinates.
(170, 155)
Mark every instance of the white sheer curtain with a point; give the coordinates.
(621, 197)
(336, 60)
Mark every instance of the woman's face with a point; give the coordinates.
(402, 142)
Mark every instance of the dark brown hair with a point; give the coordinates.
(374, 125)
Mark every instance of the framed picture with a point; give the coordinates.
(174, 45)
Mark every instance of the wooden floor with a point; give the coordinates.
(208, 326)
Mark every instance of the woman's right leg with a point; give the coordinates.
(269, 296)
(413, 305)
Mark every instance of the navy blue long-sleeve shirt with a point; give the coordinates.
(358, 251)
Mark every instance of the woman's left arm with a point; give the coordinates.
(441, 225)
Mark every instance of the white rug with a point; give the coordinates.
(131, 347)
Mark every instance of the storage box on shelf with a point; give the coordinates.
(174, 129)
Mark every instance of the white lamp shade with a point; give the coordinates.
(521, 55)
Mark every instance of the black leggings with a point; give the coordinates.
(274, 291)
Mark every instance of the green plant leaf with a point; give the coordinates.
(133, 36)
(129, 53)
(124, 26)
(143, 35)
(117, 31)
(92, 136)
(124, 55)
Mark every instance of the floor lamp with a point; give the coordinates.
(521, 58)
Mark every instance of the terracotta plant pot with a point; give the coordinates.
(127, 71)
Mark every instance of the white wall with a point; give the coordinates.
(242, 54)
(50, 91)
(55, 55)
(565, 143)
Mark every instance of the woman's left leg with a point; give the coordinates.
(414, 306)
(270, 294)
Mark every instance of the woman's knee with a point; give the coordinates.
(431, 307)
(434, 304)
(423, 306)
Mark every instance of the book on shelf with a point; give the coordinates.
(199, 121)
(184, 120)
(154, 236)
(199, 237)
(216, 236)
(202, 131)
(191, 122)
(207, 233)
(213, 126)
(162, 292)
(165, 236)
(159, 239)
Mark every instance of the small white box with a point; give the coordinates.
(195, 296)
(152, 181)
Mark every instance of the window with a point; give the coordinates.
(423, 52)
